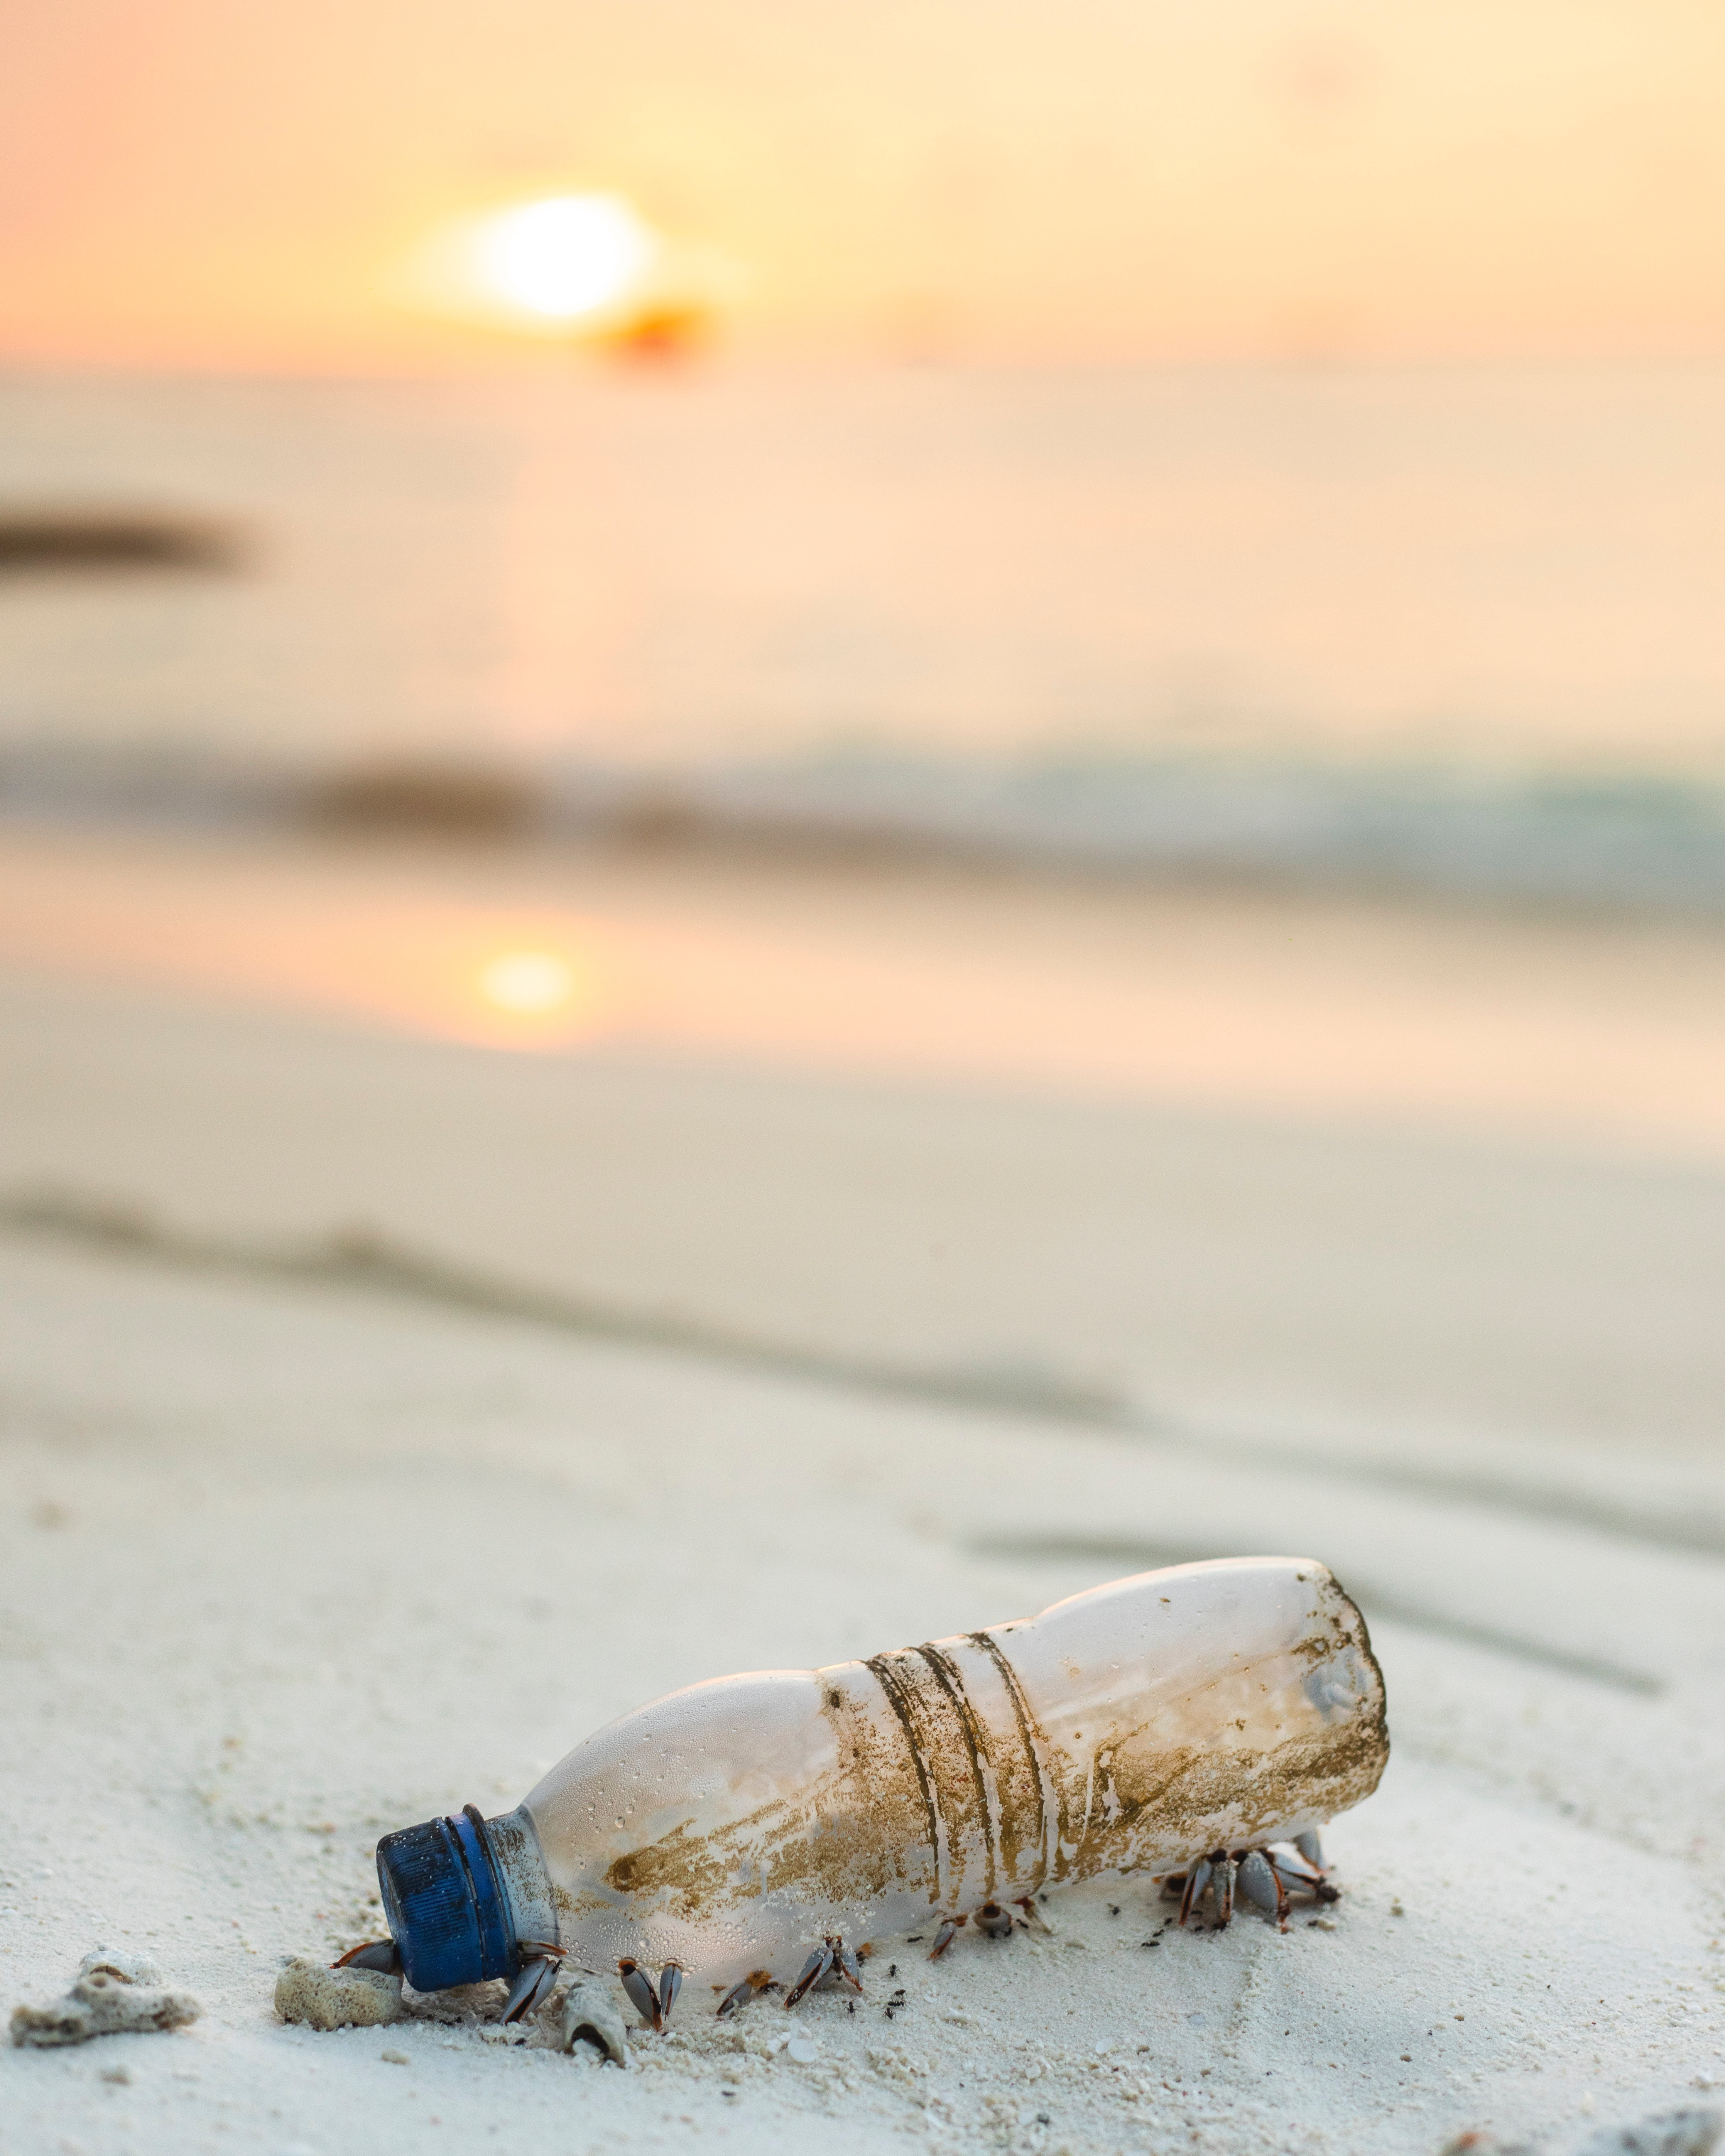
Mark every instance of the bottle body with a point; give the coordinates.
(731, 1827)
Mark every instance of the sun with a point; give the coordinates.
(566, 256)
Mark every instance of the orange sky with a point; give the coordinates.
(225, 183)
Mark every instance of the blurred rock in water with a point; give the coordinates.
(448, 800)
(37, 541)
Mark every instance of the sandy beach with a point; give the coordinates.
(815, 825)
(389, 1398)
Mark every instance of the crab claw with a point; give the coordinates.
(1224, 1873)
(1312, 1848)
(1294, 1874)
(757, 1980)
(1296, 1870)
(670, 1982)
(1261, 1884)
(1033, 1915)
(642, 1996)
(944, 1937)
(1198, 1877)
(817, 1966)
(846, 1965)
(536, 1983)
(382, 1954)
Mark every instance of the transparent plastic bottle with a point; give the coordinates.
(732, 1826)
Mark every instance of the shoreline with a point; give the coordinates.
(1599, 1032)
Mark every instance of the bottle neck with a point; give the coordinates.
(513, 1841)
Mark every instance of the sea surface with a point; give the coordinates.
(1460, 631)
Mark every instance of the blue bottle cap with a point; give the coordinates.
(446, 1903)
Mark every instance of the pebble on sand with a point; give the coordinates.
(336, 1998)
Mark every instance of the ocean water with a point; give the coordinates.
(1457, 630)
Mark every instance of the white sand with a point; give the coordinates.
(283, 1565)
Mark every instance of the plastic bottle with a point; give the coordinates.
(732, 1826)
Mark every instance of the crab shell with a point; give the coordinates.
(731, 1825)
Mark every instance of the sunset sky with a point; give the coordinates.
(244, 182)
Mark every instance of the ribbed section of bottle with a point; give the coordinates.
(989, 1791)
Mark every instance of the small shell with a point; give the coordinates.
(590, 2014)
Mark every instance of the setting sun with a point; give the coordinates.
(566, 257)
(584, 264)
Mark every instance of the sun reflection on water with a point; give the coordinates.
(528, 983)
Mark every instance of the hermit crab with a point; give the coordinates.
(753, 1832)
(1266, 1875)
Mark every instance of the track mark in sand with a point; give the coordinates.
(366, 1259)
